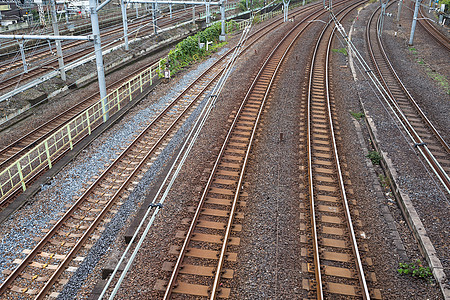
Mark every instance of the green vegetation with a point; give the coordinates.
(441, 79)
(415, 269)
(188, 50)
(413, 50)
(340, 50)
(384, 180)
(375, 157)
(357, 115)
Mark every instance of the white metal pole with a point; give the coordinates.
(222, 20)
(99, 58)
(170, 9)
(22, 53)
(154, 18)
(413, 27)
(57, 42)
(399, 10)
(66, 13)
(208, 20)
(125, 23)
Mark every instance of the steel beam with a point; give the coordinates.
(46, 37)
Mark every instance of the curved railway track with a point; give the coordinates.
(421, 130)
(441, 38)
(210, 242)
(48, 266)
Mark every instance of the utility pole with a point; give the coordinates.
(99, 58)
(400, 2)
(222, 19)
(154, 18)
(413, 27)
(208, 20)
(57, 42)
(125, 22)
(286, 10)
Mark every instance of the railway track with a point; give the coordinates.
(13, 151)
(210, 242)
(101, 200)
(50, 263)
(420, 129)
(17, 148)
(441, 38)
(336, 261)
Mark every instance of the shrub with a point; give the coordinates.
(375, 157)
(415, 269)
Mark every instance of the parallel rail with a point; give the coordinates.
(441, 38)
(72, 232)
(210, 234)
(421, 130)
(337, 267)
(78, 224)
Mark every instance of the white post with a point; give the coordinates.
(193, 14)
(154, 18)
(57, 42)
(67, 15)
(99, 58)
(41, 14)
(399, 10)
(22, 53)
(125, 23)
(222, 20)
(207, 13)
(413, 27)
(170, 9)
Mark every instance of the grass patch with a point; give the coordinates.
(413, 50)
(441, 79)
(357, 115)
(340, 50)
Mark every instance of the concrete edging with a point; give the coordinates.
(409, 212)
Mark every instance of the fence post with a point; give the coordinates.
(129, 90)
(19, 170)
(140, 80)
(70, 136)
(88, 121)
(48, 155)
(118, 99)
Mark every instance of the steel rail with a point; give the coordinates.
(40, 245)
(415, 137)
(32, 178)
(50, 124)
(433, 31)
(358, 262)
(111, 201)
(174, 275)
(316, 251)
